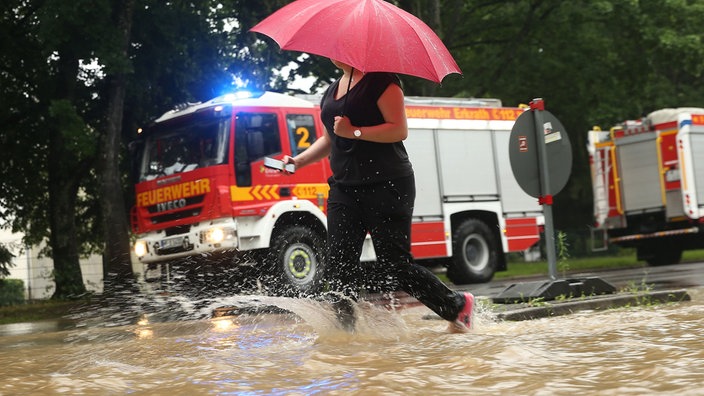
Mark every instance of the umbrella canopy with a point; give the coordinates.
(369, 35)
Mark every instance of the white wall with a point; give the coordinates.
(36, 271)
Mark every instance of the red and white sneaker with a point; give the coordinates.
(465, 318)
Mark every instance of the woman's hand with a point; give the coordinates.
(287, 159)
(343, 127)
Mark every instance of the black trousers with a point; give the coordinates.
(384, 210)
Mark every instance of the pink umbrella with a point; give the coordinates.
(369, 35)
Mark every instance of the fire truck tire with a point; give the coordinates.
(296, 255)
(664, 256)
(474, 259)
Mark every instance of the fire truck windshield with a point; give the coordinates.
(175, 148)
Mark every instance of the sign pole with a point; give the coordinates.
(541, 161)
(542, 129)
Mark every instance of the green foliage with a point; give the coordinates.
(5, 261)
(563, 255)
(633, 287)
(79, 140)
(11, 292)
(640, 291)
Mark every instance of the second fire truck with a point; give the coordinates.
(648, 183)
(202, 188)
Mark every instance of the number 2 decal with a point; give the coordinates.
(303, 142)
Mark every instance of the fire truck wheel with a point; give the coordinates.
(474, 259)
(661, 255)
(296, 256)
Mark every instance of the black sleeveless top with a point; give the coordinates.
(353, 161)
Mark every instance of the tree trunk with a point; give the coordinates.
(117, 267)
(63, 186)
(64, 246)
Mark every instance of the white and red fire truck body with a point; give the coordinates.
(648, 183)
(202, 187)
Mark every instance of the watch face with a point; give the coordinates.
(357, 133)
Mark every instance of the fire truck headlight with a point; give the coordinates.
(140, 248)
(217, 235)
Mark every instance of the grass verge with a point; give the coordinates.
(37, 310)
(574, 265)
(520, 268)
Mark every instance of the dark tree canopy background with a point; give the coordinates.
(78, 78)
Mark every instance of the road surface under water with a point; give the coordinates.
(626, 351)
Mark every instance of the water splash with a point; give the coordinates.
(372, 321)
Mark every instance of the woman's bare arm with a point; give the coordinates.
(394, 129)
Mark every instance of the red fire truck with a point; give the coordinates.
(202, 188)
(648, 183)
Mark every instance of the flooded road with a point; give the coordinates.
(628, 351)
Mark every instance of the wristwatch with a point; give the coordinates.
(357, 133)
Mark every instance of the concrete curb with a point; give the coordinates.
(518, 312)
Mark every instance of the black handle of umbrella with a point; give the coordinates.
(349, 85)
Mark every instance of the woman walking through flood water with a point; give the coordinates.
(372, 190)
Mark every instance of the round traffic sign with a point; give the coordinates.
(523, 153)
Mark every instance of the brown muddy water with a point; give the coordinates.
(627, 351)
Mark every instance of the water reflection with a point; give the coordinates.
(646, 350)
